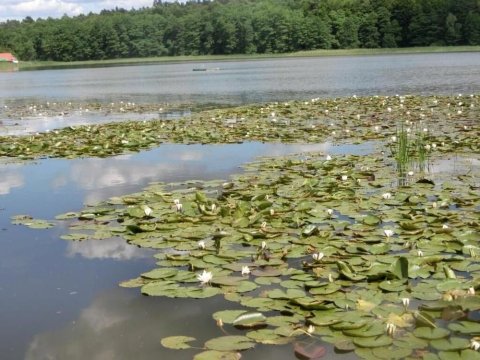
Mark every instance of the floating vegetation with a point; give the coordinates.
(325, 253)
(451, 123)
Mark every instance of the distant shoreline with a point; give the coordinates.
(34, 65)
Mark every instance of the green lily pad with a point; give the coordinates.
(425, 332)
(177, 342)
(230, 343)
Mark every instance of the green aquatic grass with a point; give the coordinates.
(28, 65)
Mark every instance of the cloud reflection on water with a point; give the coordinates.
(103, 178)
(10, 177)
(119, 325)
(116, 249)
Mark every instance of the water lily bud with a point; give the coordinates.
(444, 226)
(205, 277)
(387, 196)
(329, 211)
(318, 256)
(201, 244)
(393, 138)
(311, 329)
(344, 177)
(391, 328)
(148, 211)
(272, 212)
(330, 278)
(328, 158)
(219, 323)
(419, 253)
(263, 225)
(245, 270)
(179, 207)
(389, 109)
(388, 232)
(405, 302)
(474, 345)
(214, 207)
(377, 128)
(471, 290)
(264, 245)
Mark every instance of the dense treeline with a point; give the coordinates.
(244, 27)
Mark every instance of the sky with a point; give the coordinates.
(20, 9)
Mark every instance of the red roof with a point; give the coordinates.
(7, 57)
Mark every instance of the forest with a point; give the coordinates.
(243, 27)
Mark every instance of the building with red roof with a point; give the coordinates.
(8, 57)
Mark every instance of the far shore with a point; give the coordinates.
(31, 65)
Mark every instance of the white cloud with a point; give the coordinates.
(18, 9)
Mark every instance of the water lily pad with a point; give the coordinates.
(217, 355)
(177, 342)
(425, 332)
(230, 343)
(373, 342)
(450, 344)
(249, 320)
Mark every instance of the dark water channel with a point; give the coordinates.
(59, 299)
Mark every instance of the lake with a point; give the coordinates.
(59, 299)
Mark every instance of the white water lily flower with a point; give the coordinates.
(459, 112)
(176, 201)
(388, 232)
(428, 147)
(147, 210)
(405, 302)
(389, 109)
(264, 245)
(434, 146)
(344, 177)
(391, 328)
(318, 256)
(387, 196)
(311, 329)
(394, 138)
(444, 226)
(245, 270)
(474, 345)
(201, 244)
(214, 207)
(329, 211)
(205, 277)
(179, 207)
(328, 158)
(410, 173)
(471, 290)
(419, 253)
(377, 128)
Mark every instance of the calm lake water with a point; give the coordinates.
(60, 300)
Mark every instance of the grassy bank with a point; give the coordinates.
(26, 65)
